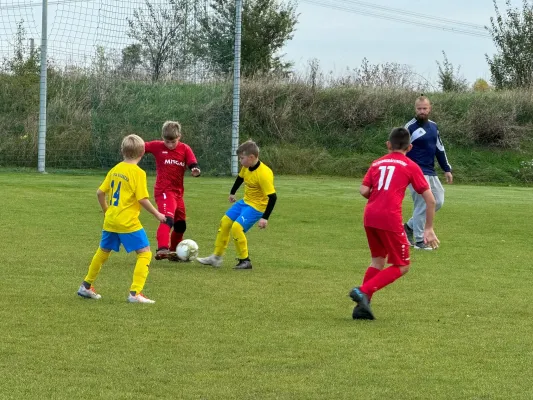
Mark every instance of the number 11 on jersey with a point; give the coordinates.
(385, 174)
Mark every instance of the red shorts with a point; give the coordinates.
(171, 205)
(393, 245)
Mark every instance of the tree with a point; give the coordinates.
(24, 61)
(131, 59)
(480, 85)
(162, 33)
(266, 26)
(449, 78)
(512, 65)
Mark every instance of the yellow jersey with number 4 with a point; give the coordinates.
(124, 185)
(258, 184)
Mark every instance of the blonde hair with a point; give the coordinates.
(132, 147)
(171, 130)
(421, 99)
(248, 148)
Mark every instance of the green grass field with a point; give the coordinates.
(458, 326)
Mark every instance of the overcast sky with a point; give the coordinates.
(338, 33)
(341, 38)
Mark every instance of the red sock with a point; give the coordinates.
(369, 274)
(175, 238)
(382, 279)
(162, 235)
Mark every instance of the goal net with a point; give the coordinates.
(114, 67)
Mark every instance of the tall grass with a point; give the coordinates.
(302, 128)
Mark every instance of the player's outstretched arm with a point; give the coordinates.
(429, 234)
(263, 222)
(101, 199)
(236, 185)
(430, 207)
(145, 203)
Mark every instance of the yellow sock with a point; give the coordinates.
(221, 243)
(96, 264)
(241, 243)
(140, 273)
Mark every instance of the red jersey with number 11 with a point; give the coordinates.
(170, 165)
(388, 178)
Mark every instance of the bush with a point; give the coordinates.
(525, 171)
(493, 123)
(301, 128)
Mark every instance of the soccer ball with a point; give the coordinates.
(187, 250)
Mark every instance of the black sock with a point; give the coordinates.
(86, 285)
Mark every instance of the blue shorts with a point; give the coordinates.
(131, 241)
(244, 214)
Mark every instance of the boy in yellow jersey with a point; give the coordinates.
(257, 205)
(126, 191)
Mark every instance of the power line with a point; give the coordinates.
(463, 27)
(415, 14)
(395, 11)
(359, 11)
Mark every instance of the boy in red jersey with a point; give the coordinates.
(172, 158)
(384, 186)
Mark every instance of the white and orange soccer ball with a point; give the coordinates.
(187, 250)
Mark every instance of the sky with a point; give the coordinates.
(340, 39)
(337, 33)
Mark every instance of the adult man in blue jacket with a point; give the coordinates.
(427, 145)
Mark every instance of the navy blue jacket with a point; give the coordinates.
(427, 145)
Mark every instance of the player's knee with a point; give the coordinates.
(225, 222)
(180, 226)
(103, 253)
(169, 221)
(237, 229)
(378, 262)
(146, 256)
(404, 269)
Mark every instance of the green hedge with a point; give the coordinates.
(301, 130)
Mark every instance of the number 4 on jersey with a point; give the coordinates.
(385, 174)
(115, 194)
